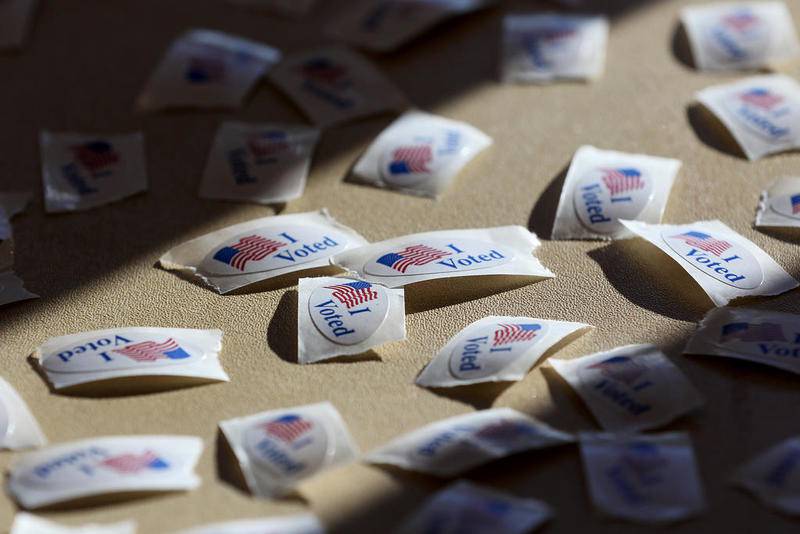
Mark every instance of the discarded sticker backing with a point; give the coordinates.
(108, 465)
(18, 427)
(264, 248)
(544, 47)
(466, 507)
(761, 336)
(780, 204)
(773, 477)
(419, 154)
(722, 262)
(740, 35)
(761, 113)
(264, 163)
(387, 25)
(99, 355)
(290, 524)
(278, 449)
(503, 250)
(604, 186)
(207, 69)
(16, 17)
(642, 478)
(335, 85)
(457, 444)
(630, 388)
(495, 349)
(25, 523)
(341, 316)
(82, 171)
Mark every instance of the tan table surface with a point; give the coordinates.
(86, 63)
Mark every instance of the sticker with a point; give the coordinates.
(97, 466)
(124, 352)
(630, 388)
(290, 524)
(25, 523)
(455, 445)
(279, 448)
(18, 427)
(606, 195)
(765, 112)
(773, 477)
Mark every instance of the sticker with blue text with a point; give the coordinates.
(773, 477)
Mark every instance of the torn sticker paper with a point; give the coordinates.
(779, 205)
(124, 465)
(503, 250)
(773, 477)
(25, 523)
(18, 427)
(344, 316)
(630, 388)
(263, 163)
(290, 524)
(207, 69)
(722, 262)
(495, 349)
(12, 290)
(16, 17)
(264, 248)
(186, 354)
(457, 444)
(82, 171)
(278, 449)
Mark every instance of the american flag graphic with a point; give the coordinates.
(96, 156)
(704, 242)
(511, 333)
(620, 368)
(761, 98)
(353, 293)
(250, 248)
(265, 145)
(324, 70)
(133, 463)
(751, 332)
(795, 201)
(204, 69)
(411, 159)
(150, 351)
(623, 180)
(411, 255)
(740, 21)
(288, 428)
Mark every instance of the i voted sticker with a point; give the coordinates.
(721, 259)
(349, 312)
(764, 111)
(610, 193)
(289, 445)
(738, 35)
(488, 349)
(788, 205)
(435, 256)
(775, 336)
(272, 248)
(623, 381)
(412, 159)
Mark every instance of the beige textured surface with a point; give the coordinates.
(85, 65)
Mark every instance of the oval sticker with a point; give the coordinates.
(433, 256)
(787, 205)
(722, 260)
(349, 312)
(289, 445)
(122, 351)
(413, 159)
(273, 247)
(487, 349)
(738, 35)
(763, 111)
(773, 339)
(607, 194)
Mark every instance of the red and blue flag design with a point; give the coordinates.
(761, 98)
(622, 180)
(795, 201)
(353, 293)
(265, 145)
(288, 428)
(247, 249)
(411, 159)
(752, 332)
(512, 333)
(96, 156)
(150, 351)
(411, 255)
(134, 463)
(704, 242)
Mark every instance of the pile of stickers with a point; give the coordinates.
(351, 293)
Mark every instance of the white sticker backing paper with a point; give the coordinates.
(25, 523)
(263, 163)
(722, 262)
(774, 477)
(127, 352)
(541, 48)
(642, 478)
(740, 35)
(630, 388)
(464, 507)
(342, 316)
(495, 349)
(780, 204)
(82, 171)
(278, 449)
(457, 444)
(18, 427)
(260, 249)
(761, 336)
(207, 69)
(604, 186)
(106, 465)
(504, 250)
(290, 524)
(420, 154)
(761, 113)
